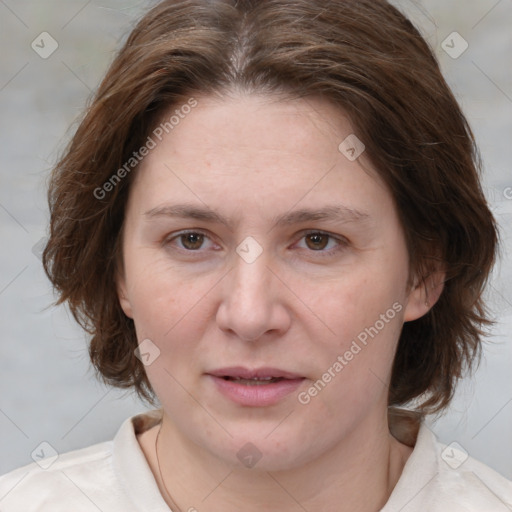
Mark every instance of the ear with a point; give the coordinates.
(122, 294)
(423, 294)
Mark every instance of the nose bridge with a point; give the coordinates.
(251, 304)
(250, 282)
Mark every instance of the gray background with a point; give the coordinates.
(47, 391)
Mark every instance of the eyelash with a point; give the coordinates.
(341, 242)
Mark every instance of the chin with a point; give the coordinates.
(252, 451)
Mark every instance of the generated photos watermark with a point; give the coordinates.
(151, 142)
(344, 359)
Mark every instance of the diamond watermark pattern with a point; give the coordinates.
(38, 247)
(249, 249)
(44, 45)
(249, 455)
(454, 45)
(147, 352)
(44, 455)
(352, 147)
(454, 455)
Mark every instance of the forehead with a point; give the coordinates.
(238, 125)
(255, 151)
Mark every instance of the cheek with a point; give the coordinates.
(154, 307)
(358, 301)
(364, 312)
(173, 312)
(162, 297)
(353, 370)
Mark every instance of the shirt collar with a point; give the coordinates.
(138, 481)
(131, 466)
(419, 471)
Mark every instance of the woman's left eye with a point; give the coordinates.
(318, 241)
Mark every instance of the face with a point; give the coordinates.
(270, 272)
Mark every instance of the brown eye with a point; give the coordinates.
(192, 241)
(317, 241)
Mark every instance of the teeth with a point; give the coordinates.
(253, 378)
(255, 381)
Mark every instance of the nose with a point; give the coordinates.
(253, 305)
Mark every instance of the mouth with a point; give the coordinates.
(255, 381)
(254, 377)
(259, 387)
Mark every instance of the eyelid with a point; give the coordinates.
(321, 232)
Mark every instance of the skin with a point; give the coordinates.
(297, 307)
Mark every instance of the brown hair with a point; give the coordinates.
(363, 56)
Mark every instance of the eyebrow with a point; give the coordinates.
(332, 213)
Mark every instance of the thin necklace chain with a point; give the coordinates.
(174, 507)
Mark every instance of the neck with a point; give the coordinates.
(338, 480)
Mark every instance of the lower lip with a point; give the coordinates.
(260, 395)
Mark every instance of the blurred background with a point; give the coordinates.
(53, 56)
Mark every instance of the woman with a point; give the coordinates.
(270, 220)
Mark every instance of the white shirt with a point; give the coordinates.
(115, 477)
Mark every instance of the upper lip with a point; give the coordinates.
(256, 373)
